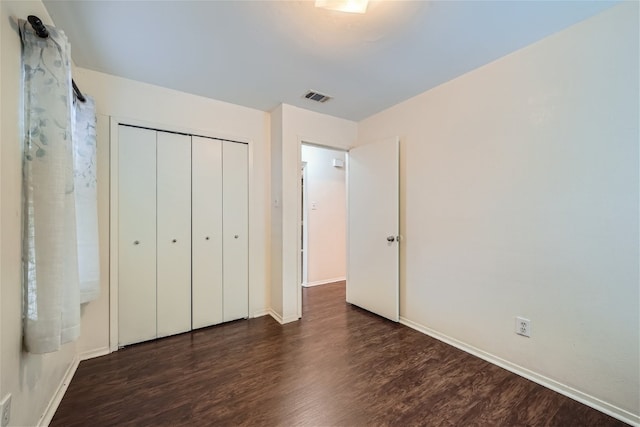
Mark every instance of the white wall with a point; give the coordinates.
(276, 212)
(520, 197)
(299, 125)
(31, 379)
(326, 202)
(172, 110)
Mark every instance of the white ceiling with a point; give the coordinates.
(263, 53)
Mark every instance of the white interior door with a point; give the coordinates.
(206, 261)
(136, 235)
(235, 208)
(174, 234)
(373, 228)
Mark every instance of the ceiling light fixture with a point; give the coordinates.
(350, 6)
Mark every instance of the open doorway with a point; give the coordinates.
(323, 215)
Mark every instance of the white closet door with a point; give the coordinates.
(235, 205)
(206, 231)
(174, 234)
(136, 235)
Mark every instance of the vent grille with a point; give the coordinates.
(317, 96)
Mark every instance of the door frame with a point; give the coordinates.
(328, 146)
(114, 123)
(304, 250)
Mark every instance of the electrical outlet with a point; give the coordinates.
(523, 326)
(5, 411)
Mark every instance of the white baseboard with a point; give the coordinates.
(260, 313)
(275, 316)
(282, 320)
(324, 282)
(289, 319)
(549, 383)
(86, 355)
(52, 407)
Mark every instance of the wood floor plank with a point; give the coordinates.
(338, 366)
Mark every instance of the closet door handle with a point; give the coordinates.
(236, 236)
(136, 242)
(173, 241)
(206, 238)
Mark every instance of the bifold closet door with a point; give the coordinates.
(206, 181)
(174, 233)
(136, 235)
(235, 245)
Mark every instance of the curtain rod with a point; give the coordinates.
(41, 31)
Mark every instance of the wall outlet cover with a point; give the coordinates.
(523, 326)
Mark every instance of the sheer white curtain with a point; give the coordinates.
(84, 153)
(51, 289)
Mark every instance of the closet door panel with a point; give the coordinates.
(207, 231)
(136, 235)
(235, 205)
(174, 233)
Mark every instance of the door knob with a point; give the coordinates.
(206, 238)
(136, 242)
(391, 239)
(174, 240)
(236, 236)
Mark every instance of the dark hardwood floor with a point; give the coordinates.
(339, 365)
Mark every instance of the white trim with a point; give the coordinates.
(305, 222)
(92, 354)
(289, 319)
(347, 167)
(305, 141)
(549, 383)
(52, 407)
(299, 257)
(260, 313)
(251, 210)
(324, 282)
(275, 316)
(282, 320)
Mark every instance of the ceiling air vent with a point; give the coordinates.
(316, 96)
